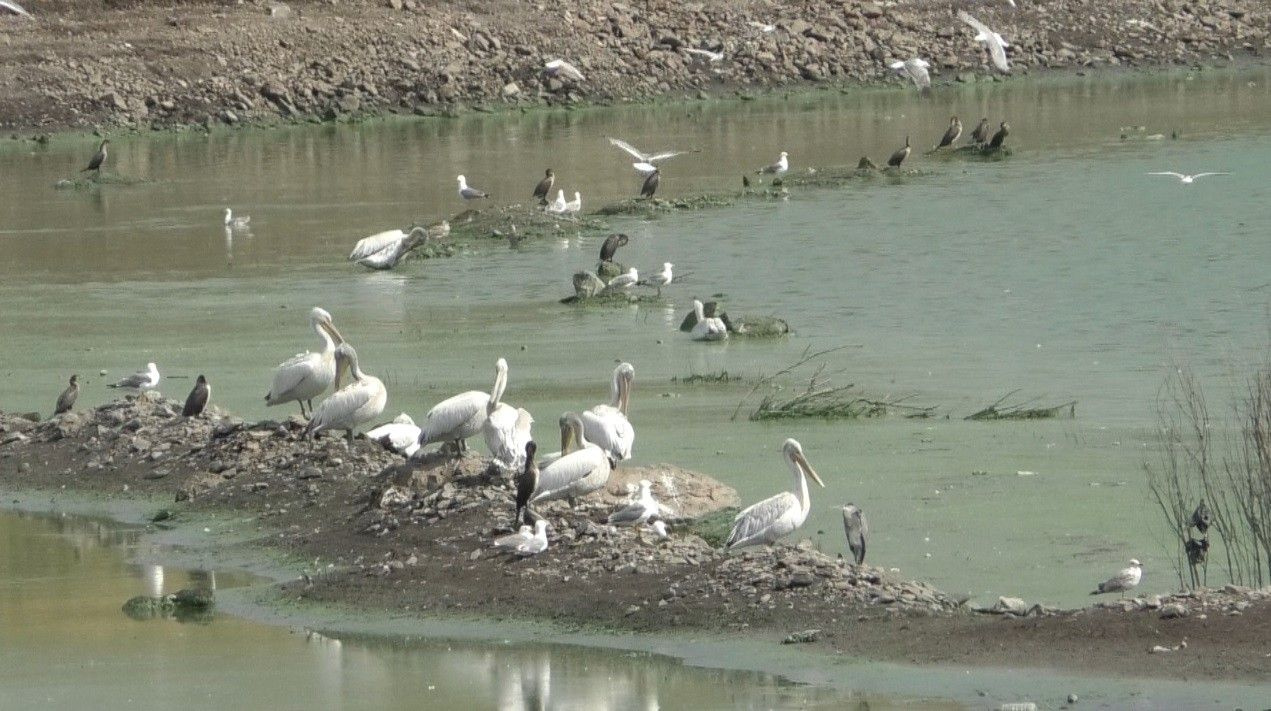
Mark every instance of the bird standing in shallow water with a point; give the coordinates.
(899, 156)
(544, 187)
(981, 132)
(650, 184)
(95, 163)
(777, 169)
(197, 399)
(952, 134)
(67, 399)
(1002, 132)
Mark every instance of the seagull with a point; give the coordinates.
(981, 132)
(779, 168)
(662, 278)
(236, 223)
(952, 134)
(95, 163)
(14, 7)
(651, 184)
(576, 204)
(67, 399)
(857, 530)
(1187, 179)
(710, 56)
(468, 193)
(401, 435)
(544, 187)
(622, 282)
(1125, 580)
(899, 156)
(659, 529)
(525, 542)
(762, 26)
(561, 68)
(560, 205)
(639, 511)
(141, 380)
(996, 44)
(1002, 132)
(916, 70)
(197, 399)
(645, 161)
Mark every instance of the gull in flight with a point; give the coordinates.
(996, 44)
(14, 7)
(708, 55)
(1125, 580)
(468, 193)
(561, 68)
(644, 161)
(1187, 179)
(915, 69)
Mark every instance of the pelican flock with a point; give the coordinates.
(462, 416)
(778, 516)
(584, 470)
(606, 424)
(307, 375)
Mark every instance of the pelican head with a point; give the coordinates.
(626, 378)
(345, 359)
(575, 424)
(321, 318)
(566, 434)
(794, 454)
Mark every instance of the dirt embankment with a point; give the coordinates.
(391, 534)
(126, 63)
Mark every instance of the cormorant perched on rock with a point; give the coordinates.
(197, 399)
(650, 185)
(981, 132)
(611, 245)
(67, 399)
(544, 187)
(951, 135)
(98, 158)
(1002, 133)
(899, 156)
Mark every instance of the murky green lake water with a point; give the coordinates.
(1064, 272)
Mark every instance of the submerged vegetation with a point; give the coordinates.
(1023, 411)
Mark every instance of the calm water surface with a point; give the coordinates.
(1064, 272)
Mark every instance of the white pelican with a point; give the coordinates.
(1125, 580)
(525, 542)
(644, 161)
(1187, 179)
(622, 282)
(401, 435)
(306, 375)
(141, 380)
(355, 404)
(916, 69)
(457, 418)
(780, 515)
(662, 278)
(707, 329)
(237, 223)
(857, 530)
(576, 204)
(385, 249)
(506, 428)
(996, 44)
(526, 483)
(639, 511)
(606, 425)
(559, 205)
(779, 168)
(561, 68)
(582, 471)
(468, 193)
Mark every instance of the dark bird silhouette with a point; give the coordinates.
(611, 245)
(197, 399)
(899, 156)
(951, 135)
(526, 483)
(745, 181)
(1002, 133)
(95, 163)
(650, 185)
(857, 530)
(1197, 550)
(67, 399)
(1201, 518)
(981, 132)
(544, 187)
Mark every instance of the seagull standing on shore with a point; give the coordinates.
(559, 205)
(645, 162)
(916, 70)
(576, 204)
(639, 511)
(561, 68)
(468, 193)
(777, 169)
(67, 399)
(197, 399)
(544, 187)
(996, 44)
(1187, 179)
(662, 278)
(141, 380)
(1125, 580)
(95, 163)
(622, 282)
(952, 134)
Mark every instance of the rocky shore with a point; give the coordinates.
(126, 64)
(380, 532)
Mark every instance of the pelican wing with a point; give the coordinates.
(607, 428)
(564, 476)
(664, 155)
(376, 243)
(292, 373)
(757, 522)
(629, 149)
(455, 417)
(507, 431)
(347, 408)
(400, 434)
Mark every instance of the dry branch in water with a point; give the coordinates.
(1021, 411)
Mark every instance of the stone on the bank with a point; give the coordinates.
(1010, 606)
(1173, 610)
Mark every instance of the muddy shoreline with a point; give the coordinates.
(388, 536)
(128, 65)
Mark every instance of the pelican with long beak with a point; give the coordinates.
(457, 418)
(506, 428)
(707, 329)
(606, 425)
(582, 471)
(385, 249)
(307, 375)
(777, 516)
(353, 405)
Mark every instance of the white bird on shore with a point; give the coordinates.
(1125, 580)
(576, 204)
(457, 418)
(1187, 179)
(779, 168)
(623, 281)
(401, 435)
(561, 68)
(527, 541)
(763, 27)
(645, 162)
(353, 405)
(14, 7)
(386, 249)
(780, 515)
(659, 529)
(606, 425)
(710, 56)
(707, 329)
(662, 278)
(916, 70)
(996, 44)
(506, 429)
(468, 193)
(639, 511)
(307, 375)
(857, 530)
(236, 223)
(582, 471)
(141, 380)
(559, 205)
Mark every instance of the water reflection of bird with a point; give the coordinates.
(461, 416)
(506, 428)
(141, 380)
(611, 245)
(544, 187)
(353, 405)
(152, 577)
(307, 375)
(582, 471)
(951, 134)
(857, 530)
(707, 328)
(401, 435)
(386, 249)
(900, 155)
(526, 483)
(995, 43)
(1125, 580)
(780, 515)
(95, 163)
(468, 193)
(650, 185)
(981, 132)
(238, 223)
(606, 425)
(645, 162)
(67, 399)
(197, 399)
